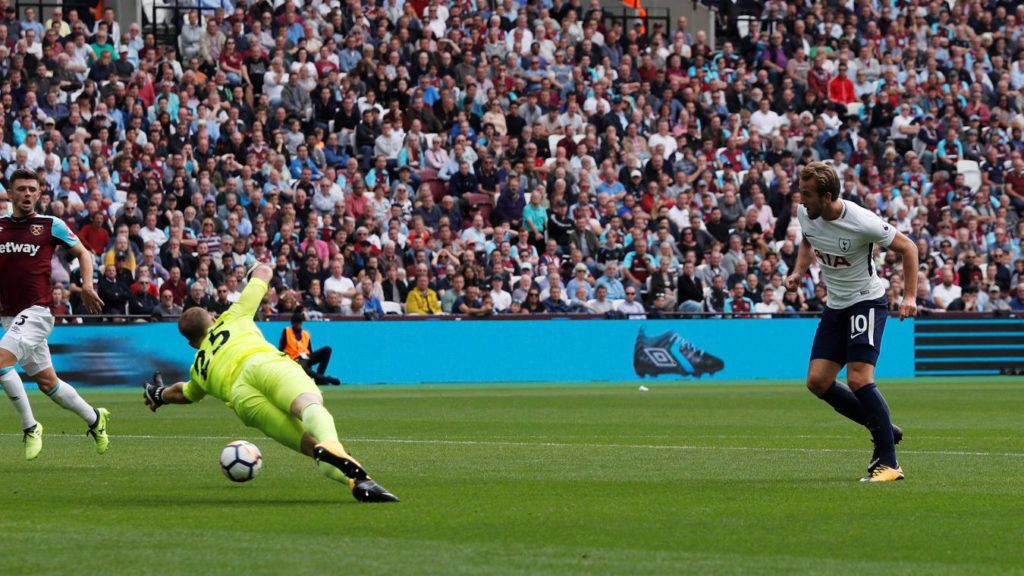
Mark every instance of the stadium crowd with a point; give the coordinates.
(429, 157)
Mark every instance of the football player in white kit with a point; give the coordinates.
(841, 236)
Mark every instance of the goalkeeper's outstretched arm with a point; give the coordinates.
(165, 395)
(156, 394)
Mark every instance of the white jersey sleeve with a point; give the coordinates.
(871, 227)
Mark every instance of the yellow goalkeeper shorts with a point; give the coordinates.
(263, 395)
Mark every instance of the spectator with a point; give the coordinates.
(554, 304)
(966, 302)
(946, 292)
(422, 299)
(197, 297)
(501, 299)
(769, 306)
(95, 235)
(738, 304)
(600, 304)
(167, 307)
(114, 291)
(690, 289)
(1017, 302)
(631, 307)
(339, 283)
(60, 305)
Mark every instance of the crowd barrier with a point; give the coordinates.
(486, 351)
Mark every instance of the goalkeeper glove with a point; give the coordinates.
(154, 392)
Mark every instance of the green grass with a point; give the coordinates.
(704, 479)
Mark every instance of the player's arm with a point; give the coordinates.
(156, 394)
(90, 298)
(249, 302)
(804, 259)
(906, 248)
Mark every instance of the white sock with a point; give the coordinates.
(67, 397)
(15, 390)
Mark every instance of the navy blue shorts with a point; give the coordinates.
(851, 334)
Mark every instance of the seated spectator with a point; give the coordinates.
(422, 299)
(632, 307)
(554, 304)
(60, 305)
(114, 291)
(142, 300)
(472, 304)
(966, 302)
(1017, 302)
(167, 308)
(394, 288)
(533, 304)
(502, 300)
(220, 303)
(769, 306)
(197, 297)
(600, 304)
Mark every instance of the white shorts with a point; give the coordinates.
(25, 336)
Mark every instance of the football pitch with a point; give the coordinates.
(706, 478)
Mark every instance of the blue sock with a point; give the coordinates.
(843, 400)
(878, 423)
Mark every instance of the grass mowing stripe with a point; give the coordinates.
(446, 442)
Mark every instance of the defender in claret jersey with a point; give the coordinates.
(27, 243)
(841, 235)
(265, 388)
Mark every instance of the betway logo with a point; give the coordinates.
(16, 248)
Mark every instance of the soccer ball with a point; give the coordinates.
(241, 461)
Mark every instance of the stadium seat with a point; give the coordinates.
(971, 172)
(553, 141)
(484, 201)
(438, 189)
(392, 308)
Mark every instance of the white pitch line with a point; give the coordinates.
(683, 447)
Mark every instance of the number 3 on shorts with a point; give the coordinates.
(861, 324)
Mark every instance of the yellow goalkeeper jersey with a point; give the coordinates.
(232, 340)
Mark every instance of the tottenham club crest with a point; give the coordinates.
(844, 244)
(37, 229)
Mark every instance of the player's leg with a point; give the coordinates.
(32, 430)
(67, 397)
(288, 388)
(828, 355)
(284, 385)
(867, 322)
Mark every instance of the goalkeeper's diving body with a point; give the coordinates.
(234, 363)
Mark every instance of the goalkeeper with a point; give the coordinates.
(267, 390)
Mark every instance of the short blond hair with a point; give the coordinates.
(826, 181)
(194, 324)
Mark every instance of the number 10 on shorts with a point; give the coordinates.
(861, 324)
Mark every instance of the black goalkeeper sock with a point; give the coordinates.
(879, 423)
(843, 400)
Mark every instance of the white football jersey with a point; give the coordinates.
(843, 249)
